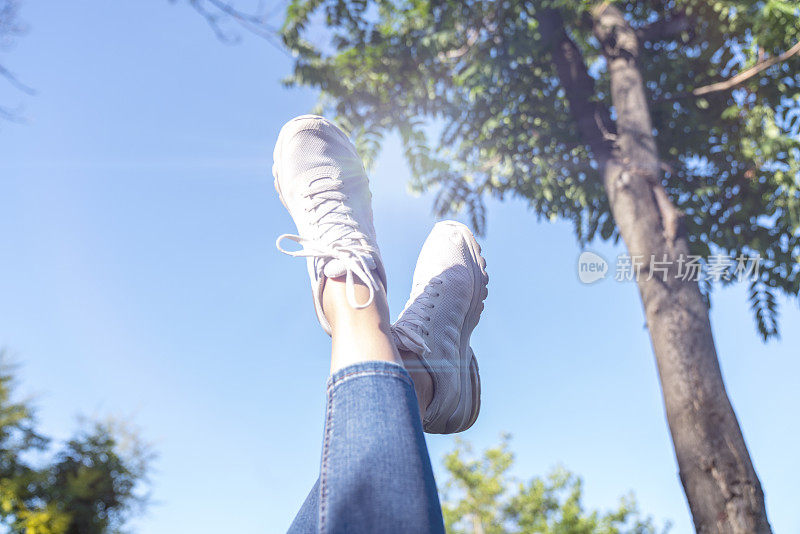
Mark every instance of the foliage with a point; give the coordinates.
(481, 497)
(472, 88)
(90, 485)
(10, 28)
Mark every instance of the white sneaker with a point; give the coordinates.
(321, 181)
(447, 294)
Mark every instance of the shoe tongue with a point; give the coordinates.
(336, 268)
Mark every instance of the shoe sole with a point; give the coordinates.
(469, 403)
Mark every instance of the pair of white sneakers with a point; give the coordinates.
(321, 181)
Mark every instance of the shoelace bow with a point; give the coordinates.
(348, 245)
(411, 328)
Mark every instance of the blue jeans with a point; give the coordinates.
(376, 475)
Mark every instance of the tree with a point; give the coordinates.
(10, 28)
(90, 485)
(480, 497)
(671, 124)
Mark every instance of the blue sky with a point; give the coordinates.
(138, 278)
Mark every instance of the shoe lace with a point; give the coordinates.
(338, 237)
(410, 329)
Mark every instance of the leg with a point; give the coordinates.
(357, 334)
(307, 518)
(376, 475)
(364, 334)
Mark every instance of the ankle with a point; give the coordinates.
(337, 307)
(358, 334)
(355, 345)
(423, 382)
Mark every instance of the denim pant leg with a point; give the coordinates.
(307, 519)
(376, 475)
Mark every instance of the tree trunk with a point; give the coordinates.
(718, 477)
(477, 525)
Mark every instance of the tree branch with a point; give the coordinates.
(747, 74)
(592, 118)
(472, 38)
(13, 80)
(737, 80)
(256, 24)
(10, 115)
